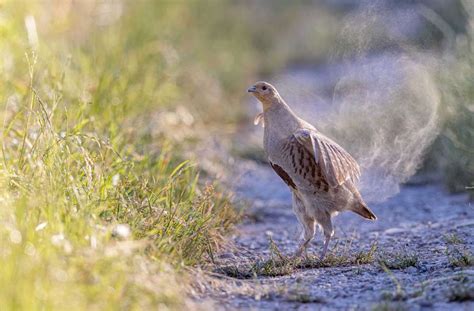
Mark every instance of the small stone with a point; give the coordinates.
(411, 270)
(425, 303)
(226, 255)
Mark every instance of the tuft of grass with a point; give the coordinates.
(390, 306)
(302, 298)
(453, 238)
(398, 261)
(457, 252)
(300, 295)
(279, 264)
(461, 291)
(458, 257)
(399, 293)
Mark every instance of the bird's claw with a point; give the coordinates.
(300, 253)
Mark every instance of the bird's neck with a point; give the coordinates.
(273, 101)
(279, 114)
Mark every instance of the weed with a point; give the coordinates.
(453, 238)
(390, 306)
(462, 290)
(399, 293)
(279, 264)
(458, 257)
(300, 295)
(397, 261)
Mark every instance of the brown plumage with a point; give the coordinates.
(320, 174)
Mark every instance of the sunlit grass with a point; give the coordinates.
(84, 151)
(66, 183)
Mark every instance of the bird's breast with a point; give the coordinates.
(273, 146)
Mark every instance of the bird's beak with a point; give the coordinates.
(252, 89)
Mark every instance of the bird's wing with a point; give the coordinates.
(336, 164)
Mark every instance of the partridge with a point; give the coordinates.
(321, 175)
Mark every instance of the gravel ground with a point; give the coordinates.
(423, 236)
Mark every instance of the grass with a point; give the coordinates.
(460, 257)
(458, 254)
(66, 184)
(453, 238)
(298, 293)
(389, 306)
(279, 264)
(461, 291)
(399, 294)
(398, 261)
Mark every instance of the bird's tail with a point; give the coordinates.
(362, 209)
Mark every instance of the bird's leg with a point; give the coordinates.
(308, 236)
(326, 244)
(308, 224)
(326, 223)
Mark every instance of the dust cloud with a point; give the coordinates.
(379, 102)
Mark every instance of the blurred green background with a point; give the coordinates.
(104, 102)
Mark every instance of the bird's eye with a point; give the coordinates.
(264, 88)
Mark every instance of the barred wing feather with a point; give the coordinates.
(337, 165)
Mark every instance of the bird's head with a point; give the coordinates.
(264, 92)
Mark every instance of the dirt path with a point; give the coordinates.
(418, 255)
(421, 235)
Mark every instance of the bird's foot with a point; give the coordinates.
(325, 248)
(323, 255)
(301, 253)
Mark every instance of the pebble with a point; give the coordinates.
(411, 270)
(226, 256)
(425, 303)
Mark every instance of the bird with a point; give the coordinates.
(320, 174)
